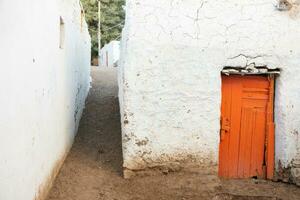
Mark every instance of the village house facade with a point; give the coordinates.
(45, 78)
(178, 110)
(110, 54)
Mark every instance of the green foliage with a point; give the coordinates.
(112, 20)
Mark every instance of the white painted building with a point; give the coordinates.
(45, 78)
(110, 54)
(170, 82)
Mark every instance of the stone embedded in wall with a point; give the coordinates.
(295, 172)
(289, 174)
(283, 173)
(284, 5)
(290, 6)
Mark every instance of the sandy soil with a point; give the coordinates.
(92, 170)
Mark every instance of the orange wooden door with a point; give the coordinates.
(247, 128)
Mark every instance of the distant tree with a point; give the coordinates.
(112, 21)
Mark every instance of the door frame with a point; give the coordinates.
(270, 136)
(269, 158)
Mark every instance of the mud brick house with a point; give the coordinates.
(45, 78)
(213, 84)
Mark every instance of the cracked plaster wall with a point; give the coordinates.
(170, 86)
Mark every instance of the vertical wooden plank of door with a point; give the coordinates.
(222, 155)
(235, 126)
(270, 141)
(224, 136)
(245, 137)
(258, 143)
(248, 145)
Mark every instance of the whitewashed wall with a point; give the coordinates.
(170, 83)
(110, 54)
(42, 92)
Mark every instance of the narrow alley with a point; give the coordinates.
(150, 100)
(93, 168)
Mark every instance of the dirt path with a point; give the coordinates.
(92, 170)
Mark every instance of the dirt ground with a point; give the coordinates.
(92, 170)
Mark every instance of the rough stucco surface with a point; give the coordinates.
(43, 90)
(170, 84)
